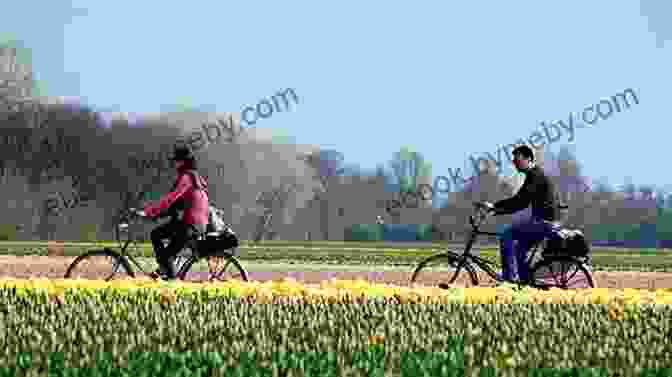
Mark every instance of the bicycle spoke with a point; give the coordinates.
(582, 280)
(98, 267)
(214, 268)
(225, 270)
(543, 274)
(179, 262)
(557, 277)
(561, 274)
(434, 272)
(442, 270)
(116, 269)
(564, 275)
(198, 272)
(214, 265)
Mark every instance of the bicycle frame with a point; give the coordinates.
(484, 264)
(468, 257)
(134, 261)
(129, 257)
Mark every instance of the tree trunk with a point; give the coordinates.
(324, 218)
(263, 227)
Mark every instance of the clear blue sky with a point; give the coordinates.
(446, 80)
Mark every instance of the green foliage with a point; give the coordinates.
(364, 232)
(8, 232)
(88, 232)
(408, 165)
(615, 232)
(425, 232)
(282, 136)
(664, 225)
(630, 232)
(152, 196)
(367, 253)
(39, 89)
(196, 364)
(112, 330)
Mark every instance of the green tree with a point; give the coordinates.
(407, 166)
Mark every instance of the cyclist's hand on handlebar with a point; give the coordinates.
(138, 212)
(487, 206)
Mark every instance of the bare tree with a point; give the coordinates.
(271, 204)
(328, 167)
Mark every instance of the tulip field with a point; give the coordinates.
(319, 320)
(339, 328)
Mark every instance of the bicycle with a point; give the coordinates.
(186, 261)
(541, 275)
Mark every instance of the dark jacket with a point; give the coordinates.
(537, 190)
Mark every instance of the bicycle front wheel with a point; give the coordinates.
(561, 272)
(212, 268)
(104, 264)
(444, 269)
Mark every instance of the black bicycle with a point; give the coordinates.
(189, 263)
(556, 267)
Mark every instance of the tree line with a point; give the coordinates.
(74, 172)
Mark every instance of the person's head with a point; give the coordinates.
(523, 158)
(184, 158)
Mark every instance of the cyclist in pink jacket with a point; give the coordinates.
(188, 195)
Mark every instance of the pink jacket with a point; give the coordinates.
(197, 213)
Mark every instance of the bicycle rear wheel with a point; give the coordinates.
(212, 268)
(561, 272)
(444, 269)
(102, 264)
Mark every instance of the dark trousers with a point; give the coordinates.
(526, 233)
(179, 235)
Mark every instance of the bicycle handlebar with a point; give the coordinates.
(484, 208)
(137, 212)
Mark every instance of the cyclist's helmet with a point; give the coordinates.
(525, 151)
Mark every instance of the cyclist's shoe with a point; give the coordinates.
(499, 277)
(158, 275)
(155, 274)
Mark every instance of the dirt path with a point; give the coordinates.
(55, 267)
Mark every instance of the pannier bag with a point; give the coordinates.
(570, 242)
(215, 220)
(219, 236)
(217, 243)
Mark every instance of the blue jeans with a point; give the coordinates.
(527, 233)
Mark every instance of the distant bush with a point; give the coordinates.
(407, 232)
(8, 232)
(88, 233)
(364, 232)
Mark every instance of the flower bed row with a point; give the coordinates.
(336, 328)
(347, 291)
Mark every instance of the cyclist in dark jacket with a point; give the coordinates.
(185, 196)
(537, 190)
